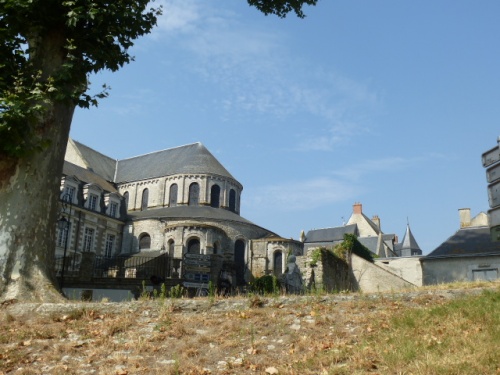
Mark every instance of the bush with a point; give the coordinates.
(352, 245)
(265, 285)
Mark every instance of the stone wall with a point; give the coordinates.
(373, 278)
(451, 269)
(159, 190)
(322, 270)
(408, 268)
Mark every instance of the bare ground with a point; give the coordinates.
(319, 334)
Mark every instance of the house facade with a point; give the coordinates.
(469, 254)
(369, 234)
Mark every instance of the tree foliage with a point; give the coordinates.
(48, 48)
(281, 7)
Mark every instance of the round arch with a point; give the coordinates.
(239, 261)
(193, 246)
(144, 241)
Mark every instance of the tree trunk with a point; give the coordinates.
(29, 194)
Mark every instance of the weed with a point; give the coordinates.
(177, 291)
(212, 291)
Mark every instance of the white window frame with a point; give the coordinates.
(88, 191)
(113, 203)
(70, 192)
(69, 186)
(110, 245)
(92, 202)
(62, 236)
(88, 240)
(113, 209)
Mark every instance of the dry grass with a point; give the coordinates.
(431, 331)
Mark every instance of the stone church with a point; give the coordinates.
(176, 201)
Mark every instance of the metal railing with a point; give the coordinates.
(153, 268)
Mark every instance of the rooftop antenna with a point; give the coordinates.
(343, 221)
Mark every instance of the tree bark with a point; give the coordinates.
(29, 195)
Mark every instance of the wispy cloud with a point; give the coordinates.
(391, 165)
(341, 185)
(300, 195)
(253, 66)
(178, 16)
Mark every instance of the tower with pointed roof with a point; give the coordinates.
(409, 246)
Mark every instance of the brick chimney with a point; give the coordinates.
(357, 208)
(464, 214)
(376, 221)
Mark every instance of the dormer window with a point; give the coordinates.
(92, 202)
(92, 194)
(113, 209)
(112, 202)
(69, 189)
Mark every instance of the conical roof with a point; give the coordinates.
(193, 158)
(409, 242)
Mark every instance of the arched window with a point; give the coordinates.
(239, 261)
(171, 245)
(193, 246)
(144, 241)
(215, 196)
(125, 198)
(194, 194)
(172, 202)
(144, 201)
(216, 248)
(232, 200)
(278, 263)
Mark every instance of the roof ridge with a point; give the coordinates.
(165, 149)
(93, 149)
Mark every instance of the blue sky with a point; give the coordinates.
(389, 103)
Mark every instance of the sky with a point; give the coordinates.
(388, 103)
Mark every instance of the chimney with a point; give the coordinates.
(376, 221)
(464, 214)
(357, 208)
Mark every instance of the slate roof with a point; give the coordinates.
(87, 176)
(194, 212)
(193, 158)
(409, 241)
(98, 163)
(370, 243)
(328, 235)
(467, 241)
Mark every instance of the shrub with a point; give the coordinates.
(265, 285)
